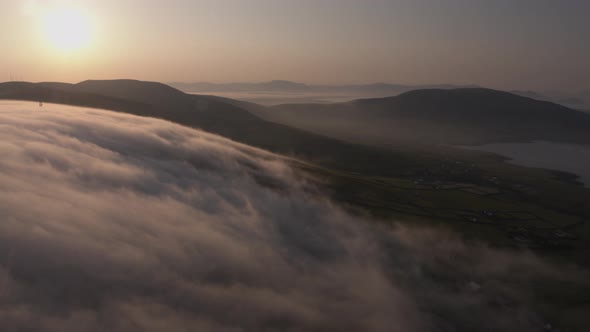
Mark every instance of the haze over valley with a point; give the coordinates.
(286, 92)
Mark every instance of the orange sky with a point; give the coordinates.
(530, 44)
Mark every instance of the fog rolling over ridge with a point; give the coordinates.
(121, 223)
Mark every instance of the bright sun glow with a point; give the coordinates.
(67, 29)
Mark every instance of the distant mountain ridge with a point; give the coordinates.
(578, 100)
(276, 85)
(455, 116)
(448, 116)
(289, 86)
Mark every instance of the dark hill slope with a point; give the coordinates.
(62, 93)
(145, 99)
(193, 110)
(212, 114)
(459, 116)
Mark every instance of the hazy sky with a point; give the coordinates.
(524, 44)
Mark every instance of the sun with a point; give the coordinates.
(67, 29)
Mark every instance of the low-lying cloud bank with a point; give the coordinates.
(110, 222)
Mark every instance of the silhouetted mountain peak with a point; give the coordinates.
(126, 83)
(473, 99)
(148, 92)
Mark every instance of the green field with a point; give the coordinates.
(476, 194)
(487, 201)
